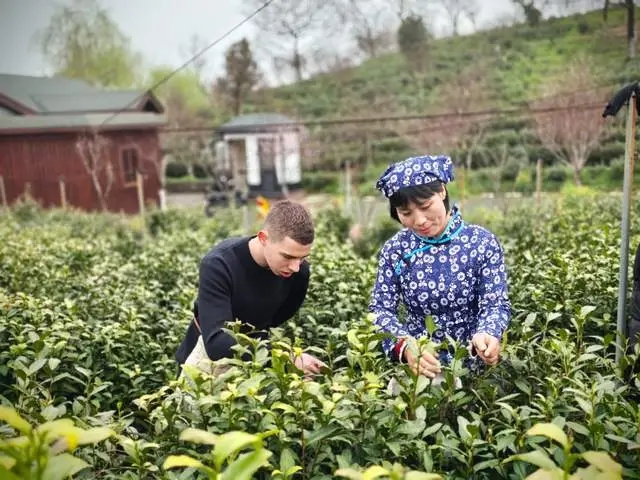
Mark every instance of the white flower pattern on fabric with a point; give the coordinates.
(461, 283)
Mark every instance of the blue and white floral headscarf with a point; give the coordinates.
(415, 171)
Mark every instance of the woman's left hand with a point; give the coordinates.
(488, 347)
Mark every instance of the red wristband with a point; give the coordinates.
(398, 348)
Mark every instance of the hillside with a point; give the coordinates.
(504, 68)
(517, 59)
(499, 68)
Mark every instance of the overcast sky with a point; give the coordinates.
(159, 29)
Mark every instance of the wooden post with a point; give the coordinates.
(162, 199)
(538, 181)
(3, 193)
(461, 182)
(140, 189)
(368, 153)
(281, 154)
(63, 193)
(348, 200)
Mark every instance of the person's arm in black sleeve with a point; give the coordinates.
(296, 296)
(214, 308)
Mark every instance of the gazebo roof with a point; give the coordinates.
(259, 122)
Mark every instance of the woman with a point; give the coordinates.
(437, 266)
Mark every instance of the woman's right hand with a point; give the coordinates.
(427, 365)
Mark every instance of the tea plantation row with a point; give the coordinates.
(92, 308)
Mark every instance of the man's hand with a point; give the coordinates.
(428, 365)
(488, 347)
(309, 364)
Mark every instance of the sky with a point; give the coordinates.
(159, 29)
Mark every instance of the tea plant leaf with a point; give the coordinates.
(63, 466)
(6, 461)
(586, 310)
(463, 430)
(230, 443)
(287, 459)
(412, 428)
(551, 431)
(196, 435)
(349, 473)
(541, 474)
(536, 457)
(373, 472)
(5, 474)
(603, 461)
(422, 476)
(95, 435)
(246, 465)
(174, 461)
(13, 418)
(320, 434)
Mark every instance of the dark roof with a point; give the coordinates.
(259, 122)
(58, 103)
(48, 95)
(74, 122)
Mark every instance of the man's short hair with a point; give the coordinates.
(290, 219)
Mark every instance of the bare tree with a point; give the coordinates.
(403, 8)
(198, 64)
(371, 24)
(328, 60)
(458, 10)
(288, 23)
(467, 92)
(532, 10)
(149, 159)
(571, 129)
(93, 150)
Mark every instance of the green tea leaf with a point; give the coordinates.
(63, 466)
(537, 458)
(246, 465)
(13, 418)
(196, 435)
(230, 443)
(551, 431)
(603, 461)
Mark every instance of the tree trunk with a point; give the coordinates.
(576, 176)
(297, 60)
(98, 191)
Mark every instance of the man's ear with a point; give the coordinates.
(262, 237)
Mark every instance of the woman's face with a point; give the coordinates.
(428, 218)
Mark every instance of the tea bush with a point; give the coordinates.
(92, 308)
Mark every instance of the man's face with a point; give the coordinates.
(283, 256)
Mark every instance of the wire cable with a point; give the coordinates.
(185, 64)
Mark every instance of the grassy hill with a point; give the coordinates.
(514, 63)
(511, 64)
(517, 60)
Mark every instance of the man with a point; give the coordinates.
(260, 280)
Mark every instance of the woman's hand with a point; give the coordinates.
(488, 347)
(427, 365)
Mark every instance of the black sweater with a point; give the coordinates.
(233, 286)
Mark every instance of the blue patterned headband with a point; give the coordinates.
(415, 171)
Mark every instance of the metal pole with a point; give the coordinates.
(629, 157)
